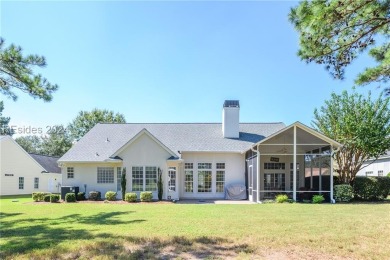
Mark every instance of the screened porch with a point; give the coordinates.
(271, 171)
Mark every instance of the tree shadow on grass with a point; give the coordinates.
(157, 248)
(25, 235)
(6, 215)
(39, 238)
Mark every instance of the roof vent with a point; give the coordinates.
(107, 140)
(231, 103)
(97, 154)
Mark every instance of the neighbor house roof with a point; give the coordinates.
(104, 140)
(49, 163)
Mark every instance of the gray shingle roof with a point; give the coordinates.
(176, 136)
(49, 163)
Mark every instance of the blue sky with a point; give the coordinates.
(167, 61)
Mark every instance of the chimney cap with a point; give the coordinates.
(231, 103)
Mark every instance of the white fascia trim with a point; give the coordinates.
(240, 152)
(305, 128)
(70, 162)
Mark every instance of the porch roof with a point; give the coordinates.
(307, 139)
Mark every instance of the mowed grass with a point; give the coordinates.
(189, 231)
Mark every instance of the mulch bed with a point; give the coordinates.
(104, 202)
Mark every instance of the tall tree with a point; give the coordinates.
(4, 121)
(361, 124)
(16, 72)
(86, 120)
(335, 32)
(57, 142)
(30, 143)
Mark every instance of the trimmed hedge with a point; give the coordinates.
(54, 198)
(281, 198)
(39, 196)
(70, 197)
(80, 196)
(343, 192)
(46, 198)
(131, 197)
(95, 195)
(318, 199)
(146, 196)
(110, 195)
(371, 188)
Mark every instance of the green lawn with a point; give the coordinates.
(104, 231)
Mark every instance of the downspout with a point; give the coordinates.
(257, 173)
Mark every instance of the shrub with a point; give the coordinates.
(110, 195)
(318, 199)
(343, 192)
(146, 196)
(384, 187)
(46, 198)
(371, 188)
(131, 197)
(94, 195)
(54, 198)
(388, 175)
(39, 196)
(70, 197)
(80, 196)
(281, 198)
(160, 186)
(123, 183)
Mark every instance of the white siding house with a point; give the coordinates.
(379, 167)
(23, 173)
(197, 160)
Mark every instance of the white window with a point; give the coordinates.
(274, 166)
(36, 183)
(70, 171)
(118, 178)
(150, 178)
(380, 173)
(138, 178)
(369, 173)
(220, 178)
(204, 177)
(105, 175)
(144, 178)
(172, 178)
(21, 183)
(189, 177)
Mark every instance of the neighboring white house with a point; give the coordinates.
(23, 173)
(379, 167)
(200, 160)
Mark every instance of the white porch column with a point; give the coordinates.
(331, 175)
(258, 173)
(295, 165)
